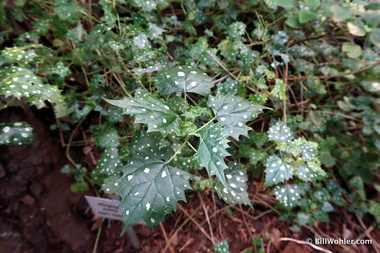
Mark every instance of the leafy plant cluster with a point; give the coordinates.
(181, 95)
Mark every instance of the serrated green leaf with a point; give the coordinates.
(15, 134)
(234, 112)
(150, 144)
(321, 216)
(196, 111)
(277, 171)
(288, 195)
(310, 172)
(149, 110)
(67, 10)
(236, 190)
(24, 83)
(105, 136)
(280, 132)
(374, 209)
(19, 55)
(308, 152)
(212, 150)
(222, 247)
(278, 90)
(183, 79)
(150, 189)
(109, 162)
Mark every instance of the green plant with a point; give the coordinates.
(212, 96)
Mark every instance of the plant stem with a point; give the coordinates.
(177, 152)
(7, 104)
(98, 237)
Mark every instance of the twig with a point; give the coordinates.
(196, 223)
(166, 237)
(224, 77)
(307, 243)
(8, 103)
(221, 64)
(207, 218)
(182, 225)
(331, 76)
(98, 237)
(376, 246)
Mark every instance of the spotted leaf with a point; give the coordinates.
(310, 171)
(150, 189)
(24, 83)
(15, 134)
(109, 162)
(212, 150)
(183, 78)
(280, 132)
(149, 110)
(234, 112)
(19, 55)
(277, 171)
(236, 190)
(308, 152)
(288, 195)
(105, 136)
(150, 144)
(222, 247)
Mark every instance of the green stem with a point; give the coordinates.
(177, 152)
(98, 237)
(8, 103)
(205, 125)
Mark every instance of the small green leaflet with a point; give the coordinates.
(67, 10)
(150, 189)
(279, 89)
(149, 110)
(308, 152)
(105, 136)
(236, 192)
(18, 133)
(288, 194)
(280, 132)
(222, 247)
(24, 83)
(183, 79)
(212, 150)
(20, 55)
(277, 171)
(310, 172)
(109, 162)
(234, 112)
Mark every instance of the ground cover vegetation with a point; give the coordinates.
(207, 96)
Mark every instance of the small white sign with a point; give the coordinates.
(105, 208)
